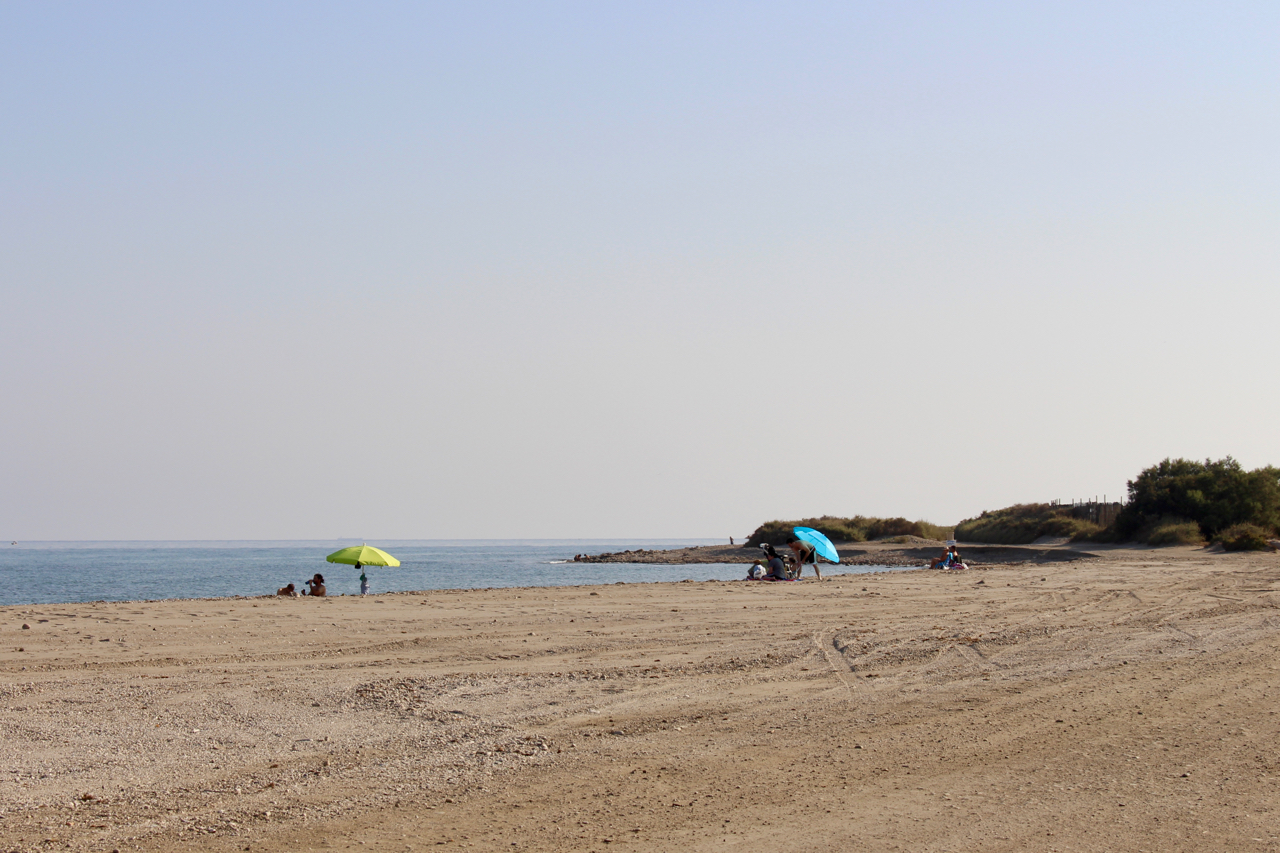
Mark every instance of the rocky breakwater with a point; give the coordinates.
(679, 556)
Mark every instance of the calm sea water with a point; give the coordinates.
(54, 572)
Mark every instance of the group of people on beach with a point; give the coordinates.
(773, 567)
(949, 561)
(315, 587)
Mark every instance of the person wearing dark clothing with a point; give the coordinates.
(777, 569)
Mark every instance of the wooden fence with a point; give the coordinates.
(1102, 512)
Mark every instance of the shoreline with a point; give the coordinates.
(419, 592)
(233, 576)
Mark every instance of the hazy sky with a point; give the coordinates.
(274, 270)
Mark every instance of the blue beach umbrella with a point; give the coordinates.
(820, 543)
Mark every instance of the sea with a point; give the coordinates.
(65, 572)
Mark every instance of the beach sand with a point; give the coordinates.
(1127, 701)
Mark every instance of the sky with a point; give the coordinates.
(484, 270)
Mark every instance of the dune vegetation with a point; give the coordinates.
(1177, 502)
(856, 529)
(1025, 523)
(1213, 496)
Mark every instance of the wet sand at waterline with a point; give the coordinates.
(1125, 701)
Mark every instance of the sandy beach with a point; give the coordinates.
(1125, 699)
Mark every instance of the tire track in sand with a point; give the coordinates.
(824, 639)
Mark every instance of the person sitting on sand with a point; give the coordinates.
(950, 559)
(316, 585)
(777, 570)
(287, 590)
(806, 555)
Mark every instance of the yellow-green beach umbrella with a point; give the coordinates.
(363, 555)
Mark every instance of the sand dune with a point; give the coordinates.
(1125, 701)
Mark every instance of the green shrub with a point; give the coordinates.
(935, 531)
(835, 529)
(856, 529)
(1244, 537)
(1171, 530)
(1023, 524)
(886, 528)
(1215, 495)
(1178, 502)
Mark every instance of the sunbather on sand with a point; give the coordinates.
(952, 560)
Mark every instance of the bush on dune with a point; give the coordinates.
(1213, 495)
(1244, 537)
(939, 532)
(892, 528)
(1025, 523)
(856, 529)
(835, 529)
(1178, 502)
(1171, 530)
